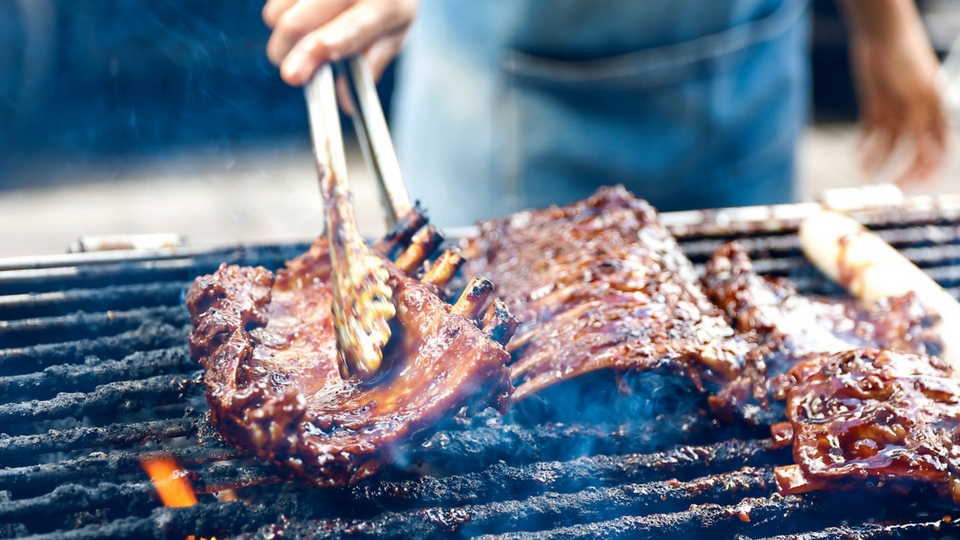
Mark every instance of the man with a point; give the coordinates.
(507, 104)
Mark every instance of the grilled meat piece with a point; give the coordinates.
(791, 327)
(601, 284)
(273, 382)
(872, 417)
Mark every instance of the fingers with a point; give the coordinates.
(382, 52)
(928, 129)
(929, 150)
(901, 107)
(920, 131)
(351, 32)
(273, 9)
(877, 145)
(312, 32)
(292, 20)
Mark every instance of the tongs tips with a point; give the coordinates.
(362, 318)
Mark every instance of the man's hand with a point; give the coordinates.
(895, 72)
(309, 33)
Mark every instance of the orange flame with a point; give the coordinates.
(170, 480)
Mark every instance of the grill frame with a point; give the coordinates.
(71, 455)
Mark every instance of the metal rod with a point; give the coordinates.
(375, 141)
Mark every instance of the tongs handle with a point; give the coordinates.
(328, 148)
(374, 135)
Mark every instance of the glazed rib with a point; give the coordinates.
(790, 327)
(272, 376)
(601, 284)
(870, 417)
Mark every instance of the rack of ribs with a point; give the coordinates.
(789, 327)
(273, 380)
(602, 285)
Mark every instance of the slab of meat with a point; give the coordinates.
(272, 371)
(870, 417)
(791, 327)
(601, 285)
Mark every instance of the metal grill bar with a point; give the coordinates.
(120, 297)
(36, 479)
(946, 527)
(501, 480)
(83, 377)
(53, 279)
(36, 512)
(135, 498)
(247, 254)
(84, 325)
(682, 462)
(756, 516)
(758, 220)
(584, 506)
(200, 521)
(23, 278)
(707, 521)
(481, 446)
(943, 237)
(150, 335)
(118, 397)
(115, 435)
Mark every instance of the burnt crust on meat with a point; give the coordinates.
(274, 385)
(870, 417)
(602, 285)
(790, 327)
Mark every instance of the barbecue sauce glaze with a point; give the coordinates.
(872, 417)
(273, 379)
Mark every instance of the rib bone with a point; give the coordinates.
(498, 323)
(401, 233)
(444, 268)
(474, 297)
(425, 241)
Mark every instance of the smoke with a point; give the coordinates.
(142, 77)
(657, 410)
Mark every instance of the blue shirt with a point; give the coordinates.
(507, 104)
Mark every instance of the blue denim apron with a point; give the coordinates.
(508, 104)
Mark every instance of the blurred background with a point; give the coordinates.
(139, 117)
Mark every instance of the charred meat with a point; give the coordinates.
(790, 326)
(601, 285)
(272, 372)
(872, 417)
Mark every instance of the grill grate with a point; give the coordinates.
(96, 376)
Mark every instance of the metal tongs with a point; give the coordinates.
(355, 85)
(362, 298)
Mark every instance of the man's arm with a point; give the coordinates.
(895, 71)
